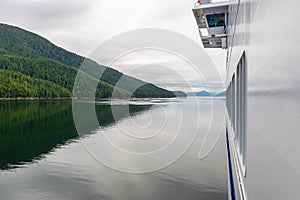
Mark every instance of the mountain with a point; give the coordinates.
(204, 93)
(198, 94)
(221, 94)
(179, 94)
(34, 57)
(24, 86)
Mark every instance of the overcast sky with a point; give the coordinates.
(80, 26)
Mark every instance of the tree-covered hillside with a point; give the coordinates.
(15, 84)
(59, 74)
(36, 57)
(17, 41)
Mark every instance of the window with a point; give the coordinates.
(215, 20)
(236, 106)
(241, 94)
(228, 99)
(233, 100)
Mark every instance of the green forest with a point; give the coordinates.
(31, 66)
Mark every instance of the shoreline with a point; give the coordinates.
(72, 98)
(34, 98)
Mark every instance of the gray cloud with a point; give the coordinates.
(80, 26)
(42, 13)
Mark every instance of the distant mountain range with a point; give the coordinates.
(204, 93)
(32, 66)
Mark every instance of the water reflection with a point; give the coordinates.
(69, 172)
(31, 129)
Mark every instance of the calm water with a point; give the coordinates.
(42, 156)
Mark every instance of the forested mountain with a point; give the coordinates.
(24, 86)
(57, 73)
(16, 41)
(34, 57)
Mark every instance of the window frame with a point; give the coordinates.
(237, 110)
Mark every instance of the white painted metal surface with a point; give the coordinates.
(266, 31)
(211, 19)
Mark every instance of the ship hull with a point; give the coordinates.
(265, 163)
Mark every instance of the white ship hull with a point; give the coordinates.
(263, 101)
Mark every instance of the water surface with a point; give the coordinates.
(42, 156)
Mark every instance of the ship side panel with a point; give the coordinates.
(237, 44)
(268, 32)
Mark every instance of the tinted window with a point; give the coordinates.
(215, 20)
